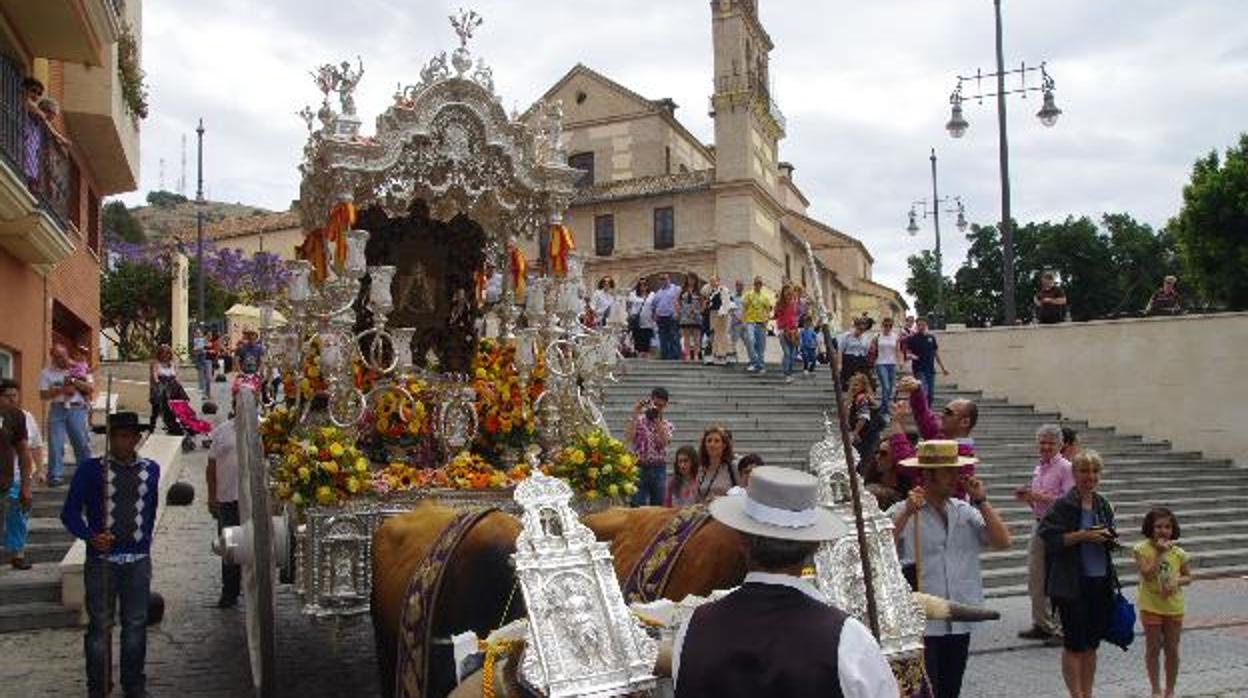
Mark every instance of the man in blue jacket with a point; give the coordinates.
(112, 506)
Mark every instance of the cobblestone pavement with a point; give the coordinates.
(200, 651)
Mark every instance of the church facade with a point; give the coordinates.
(655, 199)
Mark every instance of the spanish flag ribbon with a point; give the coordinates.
(480, 281)
(340, 220)
(518, 269)
(313, 250)
(561, 245)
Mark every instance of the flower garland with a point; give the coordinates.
(504, 407)
(596, 465)
(275, 430)
(309, 381)
(326, 470)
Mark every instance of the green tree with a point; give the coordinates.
(120, 224)
(1142, 257)
(922, 285)
(1081, 257)
(1212, 227)
(134, 306)
(165, 199)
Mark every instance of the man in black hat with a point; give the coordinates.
(777, 635)
(112, 506)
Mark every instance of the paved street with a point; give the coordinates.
(200, 651)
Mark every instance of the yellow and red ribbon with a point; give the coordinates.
(561, 245)
(314, 248)
(519, 266)
(341, 219)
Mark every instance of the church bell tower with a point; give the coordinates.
(748, 124)
(748, 129)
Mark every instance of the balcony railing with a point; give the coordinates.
(750, 82)
(32, 148)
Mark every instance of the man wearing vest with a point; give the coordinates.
(112, 506)
(777, 635)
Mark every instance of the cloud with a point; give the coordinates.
(1147, 87)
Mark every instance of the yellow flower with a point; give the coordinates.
(606, 469)
(336, 450)
(330, 467)
(310, 450)
(296, 499)
(630, 489)
(577, 456)
(627, 460)
(361, 464)
(593, 473)
(304, 474)
(613, 490)
(481, 374)
(591, 494)
(324, 494)
(592, 441)
(352, 485)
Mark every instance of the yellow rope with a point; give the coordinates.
(492, 650)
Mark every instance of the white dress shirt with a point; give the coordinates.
(950, 556)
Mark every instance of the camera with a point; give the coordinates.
(651, 412)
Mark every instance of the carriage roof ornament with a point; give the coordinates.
(582, 639)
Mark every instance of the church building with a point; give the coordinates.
(655, 199)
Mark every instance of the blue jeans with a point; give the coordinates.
(790, 355)
(887, 373)
(652, 486)
(810, 359)
(928, 378)
(757, 344)
(203, 372)
(13, 520)
(669, 337)
(109, 584)
(66, 421)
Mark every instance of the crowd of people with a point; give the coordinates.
(921, 469)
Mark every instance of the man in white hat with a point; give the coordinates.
(777, 635)
(950, 534)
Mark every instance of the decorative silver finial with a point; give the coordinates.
(465, 24)
(342, 80)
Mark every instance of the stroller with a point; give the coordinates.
(170, 401)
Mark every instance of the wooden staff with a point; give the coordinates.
(108, 570)
(855, 492)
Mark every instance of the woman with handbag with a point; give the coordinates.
(785, 315)
(1079, 536)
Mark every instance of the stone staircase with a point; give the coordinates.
(31, 599)
(780, 422)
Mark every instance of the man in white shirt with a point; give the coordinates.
(222, 476)
(69, 396)
(776, 619)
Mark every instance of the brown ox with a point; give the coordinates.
(479, 578)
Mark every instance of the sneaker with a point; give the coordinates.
(752, 369)
(1054, 641)
(761, 370)
(788, 379)
(55, 482)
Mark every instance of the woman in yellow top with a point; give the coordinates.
(1163, 574)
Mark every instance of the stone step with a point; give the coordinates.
(40, 583)
(1235, 565)
(1203, 538)
(36, 615)
(47, 529)
(47, 552)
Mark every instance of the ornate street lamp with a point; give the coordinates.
(934, 211)
(958, 125)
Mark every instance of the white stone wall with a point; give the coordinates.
(1180, 379)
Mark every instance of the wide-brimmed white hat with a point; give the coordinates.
(779, 503)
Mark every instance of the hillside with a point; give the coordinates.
(160, 220)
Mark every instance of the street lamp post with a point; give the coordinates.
(934, 212)
(958, 125)
(199, 220)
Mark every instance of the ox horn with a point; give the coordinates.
(937, 608)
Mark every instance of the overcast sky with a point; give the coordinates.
(1147, 86)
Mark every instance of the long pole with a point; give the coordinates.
(940, 267)
(1007, 231)
(199, 221)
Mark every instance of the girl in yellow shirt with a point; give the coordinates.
(1163, 574)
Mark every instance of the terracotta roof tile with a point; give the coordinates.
(239, 226)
